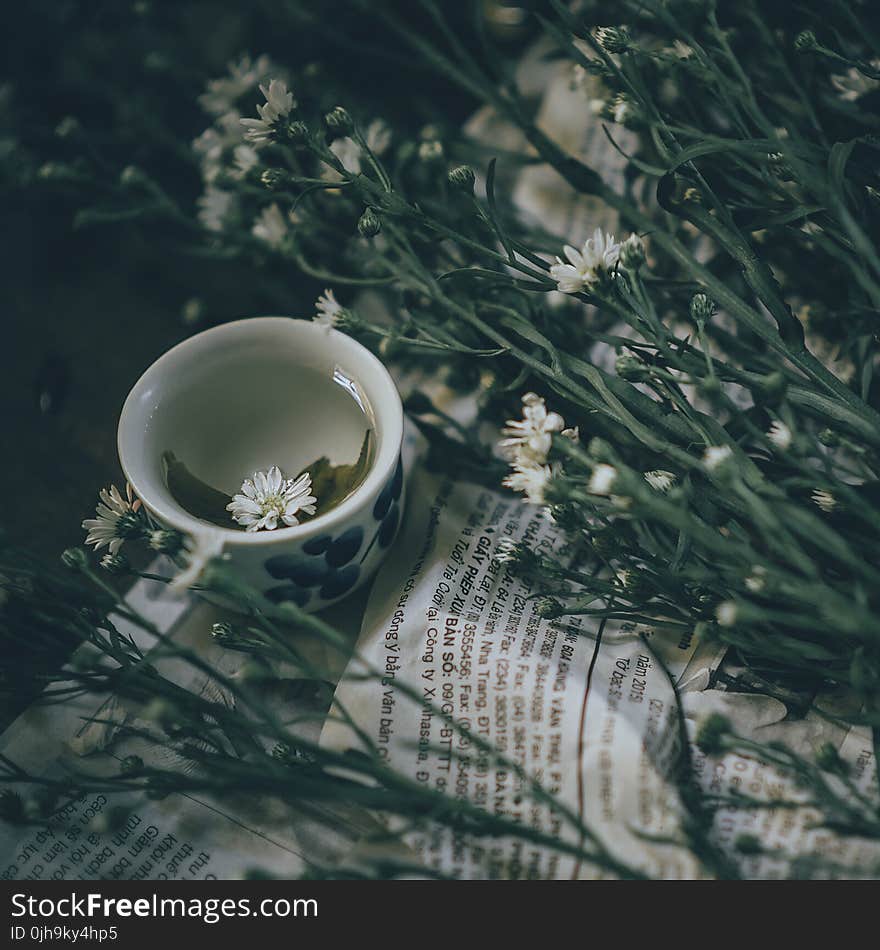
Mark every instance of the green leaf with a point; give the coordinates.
(332, 484)
(198, 498)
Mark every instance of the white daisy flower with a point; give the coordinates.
(223, 94)
(214, 207)
(852, 85)
(579, 80)
(268, 497)
(682, 50)
(621, 110)
(756, 580)
(587, 266)
(102, 529)
(780, 435)
(531, 437)
(209, 147)
(602, 479)
(659, 480)
(328, 309)
(199, 551)
(430, 151)
(716, 455)
(270, 226)
(530, 478)
(378, 137)
(279, 104)
(824, 499)
(245, 158)
(349, 154)
(725, 614)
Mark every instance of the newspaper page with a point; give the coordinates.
(110, 836)
(588, 713)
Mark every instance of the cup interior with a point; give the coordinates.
(248, 395)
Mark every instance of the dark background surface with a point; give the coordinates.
(86, 310)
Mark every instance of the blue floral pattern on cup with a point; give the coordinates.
(328, 567)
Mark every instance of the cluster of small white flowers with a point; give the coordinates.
(215, 206)
(660, 480)
(621, 110)
(531, 436)
(245, 159)
(271, 226)
(602, 479)
(527, 444)
(223, 95)
(757, 579)
(268, 497)
(228, 147)
(529, 478)
(378, 138)
(853, 84)
(102, 529)
(327, 310)
(278, 105)
(824, 499)
(215, 143)
(780, 435)
(221, 148)
(586, 267)
(507, 551)
(716, 455)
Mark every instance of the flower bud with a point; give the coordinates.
(369, 224)
(131, 764)
(613, 39)
(462, 177)
(68, 127)
(702, 307)
(630, 367)
(431, 151)
(710, 733)
(223, 631)
(632, 252)
(298, 132)
(116, 565)
(339, 122)
(273, 178)
(131, 175)
(805, 41)
(548, 608)
(74, 559)
(166, 541)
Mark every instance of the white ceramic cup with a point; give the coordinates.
(233, 400)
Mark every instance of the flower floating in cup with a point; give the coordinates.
(277, 442)
(269, 497)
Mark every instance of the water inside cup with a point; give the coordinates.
(301, 419)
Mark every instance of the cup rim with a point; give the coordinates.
(384, 400)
